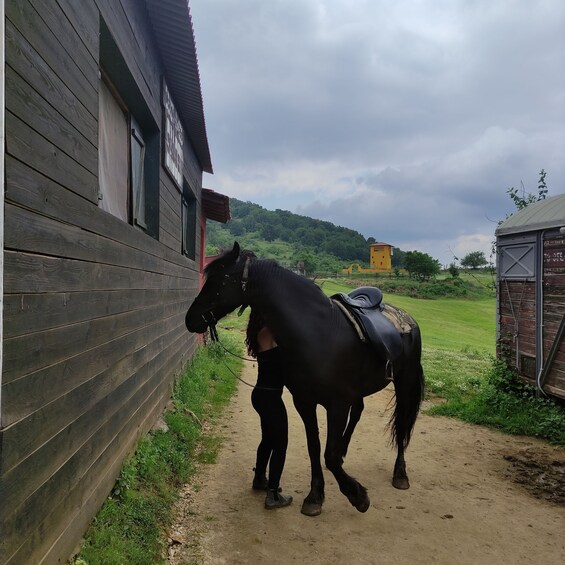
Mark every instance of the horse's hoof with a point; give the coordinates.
(311, 508)
(401, 483)
(363, 506)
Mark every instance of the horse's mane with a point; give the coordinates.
(218, 264)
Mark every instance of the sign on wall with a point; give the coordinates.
(173, 142)
(554, 256)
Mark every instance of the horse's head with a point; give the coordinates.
(223, 290)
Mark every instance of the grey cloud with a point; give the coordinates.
(431, 106)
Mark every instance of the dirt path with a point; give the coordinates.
(465, 505)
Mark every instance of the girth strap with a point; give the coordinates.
(352, 319)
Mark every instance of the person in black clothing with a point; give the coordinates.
(267, 401)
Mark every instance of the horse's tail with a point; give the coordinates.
(409, 391)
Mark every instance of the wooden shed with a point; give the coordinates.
(105, 147)
(531, 293)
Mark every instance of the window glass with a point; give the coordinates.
(137, 174)
(188, 222)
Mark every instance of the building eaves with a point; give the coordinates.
(174, 33)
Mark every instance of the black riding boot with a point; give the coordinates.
(260, 481)
(275, 499)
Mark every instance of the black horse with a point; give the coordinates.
(327, 363)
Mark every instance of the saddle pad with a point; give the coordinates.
(402, 321)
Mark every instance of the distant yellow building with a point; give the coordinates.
(381, 257)
(380, 260)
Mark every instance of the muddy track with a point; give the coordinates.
(477, 497)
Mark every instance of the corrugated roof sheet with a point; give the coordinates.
(545, 214)
(174, 33)
(216, 206)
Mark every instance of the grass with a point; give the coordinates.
(502, 400)
(131, 525)
(446, 323)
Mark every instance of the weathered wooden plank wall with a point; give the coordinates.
(93, 307)
(517, 314)
(554, 310)
(518, 324)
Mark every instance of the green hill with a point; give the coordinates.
(291, 238)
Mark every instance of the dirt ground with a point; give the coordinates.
(476, 497)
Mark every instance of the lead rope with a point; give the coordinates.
(216, 339)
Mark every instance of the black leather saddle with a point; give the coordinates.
(365, 306)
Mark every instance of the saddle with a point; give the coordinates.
(377, 324)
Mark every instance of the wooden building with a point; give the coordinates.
(105, 146)
(531, 293)
(381, 257)
(380, 260)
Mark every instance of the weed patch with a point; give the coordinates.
(130, 526)
(502, 400)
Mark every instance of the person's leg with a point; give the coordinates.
(278, 425)
(264, 448)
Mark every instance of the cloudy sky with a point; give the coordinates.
(405, 120)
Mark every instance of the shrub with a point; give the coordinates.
(503, 400)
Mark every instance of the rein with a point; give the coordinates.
(215, 338)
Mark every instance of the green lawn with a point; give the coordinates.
(446, 323)
(454, 324)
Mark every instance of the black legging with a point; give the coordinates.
(267, 401)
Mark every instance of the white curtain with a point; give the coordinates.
(113, 138)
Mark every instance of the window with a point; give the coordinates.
(137, 174)
(128, 143)
(517, 260)
(113, 157)
(189, 206)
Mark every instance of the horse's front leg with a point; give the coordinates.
(312, 505)
(354, 416)
(355, 491)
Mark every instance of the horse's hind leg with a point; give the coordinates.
(400, 477)
(355, 492)
(409, 389)
(312, 504)
(354, 416)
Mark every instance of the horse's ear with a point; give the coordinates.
(232, 256)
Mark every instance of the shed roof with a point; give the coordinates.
(216, 206)
(544, 214)
(174, 33)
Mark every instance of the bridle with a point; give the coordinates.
(209, 317)
(211, 321)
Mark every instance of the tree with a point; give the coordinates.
(453, 270)
(307, 261)
(398, 257)
(522, 200)
(474, 260)
(269, 232)
(236, 228)
(421, 265)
